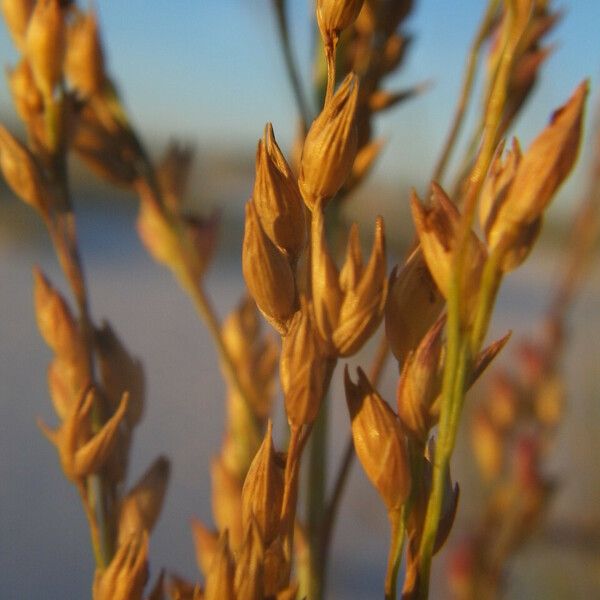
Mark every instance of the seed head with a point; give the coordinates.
(84, 64)
(16, 14)
(262, 493)
(268, 273)
(26, 97)
(413, 304)
(127, 573)
(420, 384)
(205, 543)
(330, 145)
(21, 171)
(45, 45)
(82, 453)
(538, 175)
(277, 198)
(55, 321)
(348, 305)
(220, 576)
(379, 441)
(438, 228)
(142, 505)
(305, 369)
(333, 16)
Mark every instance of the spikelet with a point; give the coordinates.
(84, 63)
(141, 507)
(220, 576)
(205, 544)
(420, 383)
(21, 171)
(277, 198)
(413, 304)
(330, 146)
(127, 573)
(17, 14)
(267, 273)
(249, 582)
(438, 229)
(82, 453)
(539, 174)
(379, 441)
(262, 493)
(305, 369)
(333, 16)
(45, 45)
(348, 306)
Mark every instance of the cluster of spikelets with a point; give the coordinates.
(63, 95)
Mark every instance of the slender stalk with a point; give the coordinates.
(290, 63)
(332, 508)
(467, 88)
(315, 509)
(398, 529)
(207, 313)
(459, 350)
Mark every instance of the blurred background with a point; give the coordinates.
(211, 73)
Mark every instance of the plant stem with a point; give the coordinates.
(467, 87)
(290, 63)
(332, 507)
(207, 313)
(315, 509)
(398, 529)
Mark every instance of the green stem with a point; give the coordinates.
(467, 87)
(398, 526)
(317, 482)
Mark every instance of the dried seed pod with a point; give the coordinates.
(326, 290)
(249, 582)
(141, 507)
(420, 383)
(438, 227)
(497, 183)
(84, 64)
(413, 304)
(81, 453)
(333, 16)
(276, 568)
(262, 493)
(220, 577)
(120, 372)
(21, 171)
(227, 502)
(173, 173)
(106, 147)
(127, 573)
(205, 543)
(539, 174)
(17, 14)
(365, 293)
(45, 45)
(305, 369)
(379, 441)
(54, 319)
(267, 273)
(26, 97)
(277, 198)
(348, 306)
(330, 146)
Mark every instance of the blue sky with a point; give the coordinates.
(210, 70)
